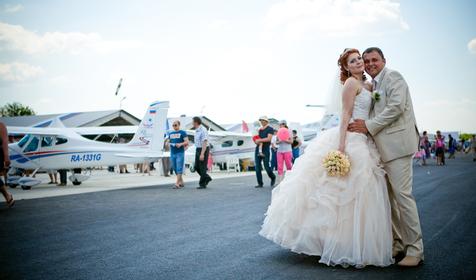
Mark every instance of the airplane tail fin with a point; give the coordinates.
(153, 127)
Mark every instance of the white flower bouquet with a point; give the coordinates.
(336, 164)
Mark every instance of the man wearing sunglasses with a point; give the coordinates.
(178, 141)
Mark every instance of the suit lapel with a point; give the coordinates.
(382, 77)
(381, 103)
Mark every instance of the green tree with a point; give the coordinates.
(465, 136)
(16, 109)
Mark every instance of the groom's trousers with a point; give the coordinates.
(405, 221)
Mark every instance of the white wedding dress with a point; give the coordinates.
(344, 220)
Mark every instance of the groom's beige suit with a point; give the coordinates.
(393, 126)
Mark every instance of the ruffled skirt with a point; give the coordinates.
(344, 220)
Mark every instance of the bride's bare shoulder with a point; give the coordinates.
(351, 83)
(352, 86)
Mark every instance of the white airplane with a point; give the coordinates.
(55, 148)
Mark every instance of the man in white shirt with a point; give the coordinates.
(201, 153)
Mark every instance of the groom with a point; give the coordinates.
(393, 127)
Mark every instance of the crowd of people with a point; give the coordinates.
(275, 150)
(441, 149)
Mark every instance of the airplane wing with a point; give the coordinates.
(128, 129)
(150, 155)
(20, 130)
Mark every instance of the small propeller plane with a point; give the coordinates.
(57, 147)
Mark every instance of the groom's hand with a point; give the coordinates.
(358, 126)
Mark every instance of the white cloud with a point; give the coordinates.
(18, 72)
(8, 8)
(472, 46)
(299, 18)
(15, 37)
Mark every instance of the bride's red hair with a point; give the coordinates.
(342, 62)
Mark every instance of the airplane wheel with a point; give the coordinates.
(76, 183)
(12, 186)
(26, 187)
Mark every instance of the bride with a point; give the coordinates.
(344, 220)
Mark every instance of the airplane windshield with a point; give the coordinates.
(240, 142)
(33, 145)
(24, 140)
(47, 141)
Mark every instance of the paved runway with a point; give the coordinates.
(160, 233)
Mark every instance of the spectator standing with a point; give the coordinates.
(123, 167)
(425, 144)
(63, 177)
(274, 151)
(296, 145)
(145, 168)
(178, 141)
(440, 148)
(265, 134)
(201, 153)
(4, 164)
(451, 147)
(473, 147)
(462, 146)
(285, 150)
(53, 174)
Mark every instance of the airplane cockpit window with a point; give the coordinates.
(24, 140)
(33, 145)
(60, 140)
(240, 142)
(47, 141)
(227, 144)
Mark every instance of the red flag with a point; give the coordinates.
(244, 127)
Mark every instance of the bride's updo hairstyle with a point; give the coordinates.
(342, 62)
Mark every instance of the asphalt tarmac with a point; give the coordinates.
(157, 232)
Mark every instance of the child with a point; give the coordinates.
(260, 145)
(420, 155)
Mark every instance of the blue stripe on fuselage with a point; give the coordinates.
(24, 158)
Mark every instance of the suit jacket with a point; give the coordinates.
(392, 120)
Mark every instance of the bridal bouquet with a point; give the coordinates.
(336, 164)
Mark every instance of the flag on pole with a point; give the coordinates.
(244, 127)
(118, 86)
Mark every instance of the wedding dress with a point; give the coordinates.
(344, 220)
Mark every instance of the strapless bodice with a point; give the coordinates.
(362, 105)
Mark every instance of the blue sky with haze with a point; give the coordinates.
(235, 60)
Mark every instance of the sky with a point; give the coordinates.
(233, 60)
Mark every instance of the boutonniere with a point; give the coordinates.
(376, 96)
